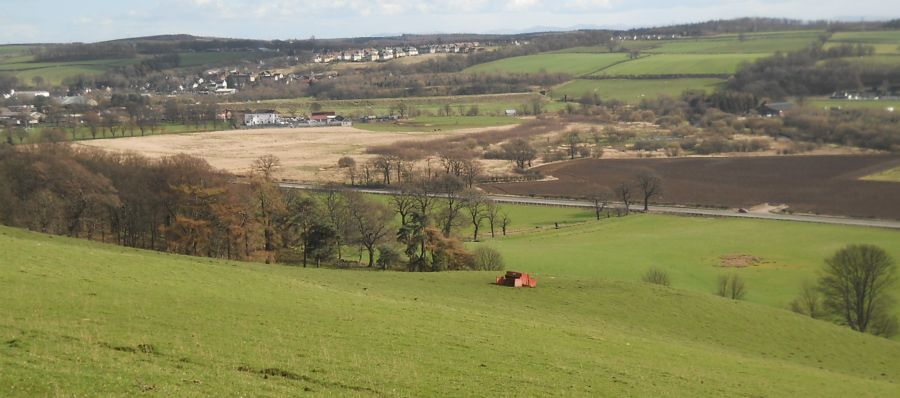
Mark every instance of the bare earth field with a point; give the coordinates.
(307, 154)
(807, 184)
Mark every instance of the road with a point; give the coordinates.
(678, 210)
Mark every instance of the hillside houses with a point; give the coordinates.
(389, 53)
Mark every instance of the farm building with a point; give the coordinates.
(261, 118)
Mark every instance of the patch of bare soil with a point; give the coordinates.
(739, 261)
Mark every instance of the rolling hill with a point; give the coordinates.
(82, 318)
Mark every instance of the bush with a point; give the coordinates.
(387, 257)
(732, 287)
(488, 259)
(656, 276)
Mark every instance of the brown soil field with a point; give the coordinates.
(806, 184)
(307, 154)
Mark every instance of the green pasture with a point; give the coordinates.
(680, 64)
(86, 319)
(633, 90)
(690, 250)
(54, 73)
(575, 64)
(734, 44)
(890, 175)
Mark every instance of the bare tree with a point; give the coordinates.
(348, 163)
(450, 188)
(600, 198)
(505, 221)
(372, 220)
(477, 206)
(519, 151)
(403, 203)
(808, 302)
(266, 166)
(573, 139)
(623, 192)
(856, 283)
(471, 170)
(650, 185)
(492, 214)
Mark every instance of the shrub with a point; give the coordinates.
(488, 259)
(732, 287)
(656, 276)
(387, 257)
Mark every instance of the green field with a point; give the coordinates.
(690, 249)
(54, 73)
(13, 49)
(439, 123)
(680, 64)
(885, 42)
(86, 319)
(575, 64)
(891, 175)
(852, 104)
(732, 44)
(633, 90)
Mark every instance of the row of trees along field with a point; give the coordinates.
(182, 205)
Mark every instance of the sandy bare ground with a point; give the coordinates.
(307, 154)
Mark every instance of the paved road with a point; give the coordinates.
(689, 211)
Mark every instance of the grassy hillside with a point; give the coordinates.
(690, 249)
(82, 318)
(575, 64)
(768, 42)
(680, 64)
(633, 90)
(55, 72)
(885, 42)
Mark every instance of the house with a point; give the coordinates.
(412, 51)
(77, 100)
(774, 109)
(29, 94)
(261, 118)
(511, 112)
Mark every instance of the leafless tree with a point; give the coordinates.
(266, 166)
(623, 192)
(450, 188)
(372, 221)
(492, 214)
(477, 206)
(600, 198)
(505, 221)
(856, 285)
(808, 302)
(650, 185)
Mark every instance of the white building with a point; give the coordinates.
(263, 118)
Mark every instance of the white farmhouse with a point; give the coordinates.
(261, 118)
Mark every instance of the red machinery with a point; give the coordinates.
(516, 279)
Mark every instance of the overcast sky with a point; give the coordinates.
(23, 21)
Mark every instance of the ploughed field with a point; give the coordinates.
(809, 184)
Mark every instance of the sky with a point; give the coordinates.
(38, 21)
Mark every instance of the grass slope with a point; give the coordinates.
(690, 249)
(680, 64)
(575, 64)
(633, 90)
(82, 318)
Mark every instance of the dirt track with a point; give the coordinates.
(308, 154)
(808, 184)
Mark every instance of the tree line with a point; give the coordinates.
(180, 204)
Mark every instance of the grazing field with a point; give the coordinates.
(309, 153)
(733, 44)
(575, 64)
(84, 319)
(633, 90)
(694, 251)
(884, 42)
(891, 175)
(54, 73)
(680, 64)
(861, 104)
(808, 184)
(13, 49)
